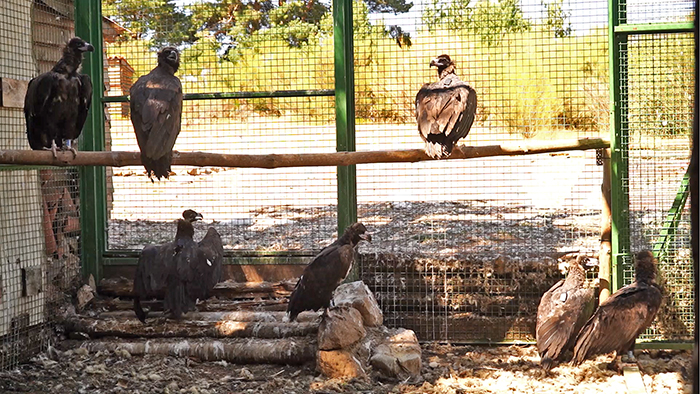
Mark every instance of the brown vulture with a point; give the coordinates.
(327, 270)
(155, 263)
(156, 112)
(57, 102)
(563, 310)
(445, 109)
(622, 317)
(196, 269)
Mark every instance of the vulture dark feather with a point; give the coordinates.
(57, 102)
(155, 264)
(326, 272)
(563, 310)
(156, 112)
(445, 109)
(622, 317)
(197, 268)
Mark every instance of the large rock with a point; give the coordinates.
(358, 296)
(339, 364)
(399, 356)
(340, 327)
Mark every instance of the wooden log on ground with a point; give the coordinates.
(238, 316)
(123, 287)
(204, 159)
(211, 305)
(161, 328)
(287, 351)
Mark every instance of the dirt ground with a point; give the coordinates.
(446, 369)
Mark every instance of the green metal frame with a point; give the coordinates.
(619, 144)
(673, 216)
(619, 137)
(93, 184)
(345, 114)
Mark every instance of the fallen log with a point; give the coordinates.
(204, 159)
(287, 351)
(123, 287)
(238, 316)
(211, 305)
(162, 328)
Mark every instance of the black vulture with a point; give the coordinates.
(563, 310)
(209, 263)
(445, 109)
(57, 102)
(156, 112)
(622, 317)
(327, 270)
(155, 263)
(196, 269)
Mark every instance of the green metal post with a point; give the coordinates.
(619, 143)
(93, 187)
(345, 112)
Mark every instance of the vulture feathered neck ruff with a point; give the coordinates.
(645, 267)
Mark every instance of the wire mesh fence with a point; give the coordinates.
(659, 126)
(40, 248)
(462, 250)
(465, 249)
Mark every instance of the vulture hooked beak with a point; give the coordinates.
(172, 56)
(434, 63)
(366, 237)
(198, 217)
(87, 47)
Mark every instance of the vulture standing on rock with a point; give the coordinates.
(155, 263)
(57, 102)
(445, 109)
(195, 270)
(622, 317)
(156, 112)
(563, 310)
(321, 277)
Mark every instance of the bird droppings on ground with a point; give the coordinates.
(447, 369)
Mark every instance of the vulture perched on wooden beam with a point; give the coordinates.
(326, 272)
(195, 270)
(57, 102)
(622, 317)
(563, 310)
(156, 262)
(156, 112)
(445, 109)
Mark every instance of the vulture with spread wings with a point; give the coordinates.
(156, 112)
(196, 269)
(563, 310)
(445, 109)
(326, 272)
(155, 263)
(622, 317)
(57, 102)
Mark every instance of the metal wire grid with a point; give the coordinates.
(253, 209)
(40, 252)
(660, 117)
(463, 250)
(650, 11)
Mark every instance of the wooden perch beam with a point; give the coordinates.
(204, 159)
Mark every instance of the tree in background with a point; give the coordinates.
(235, 23)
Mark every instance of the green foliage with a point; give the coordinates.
(556, 18)
(160, 21)
(489, 20)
